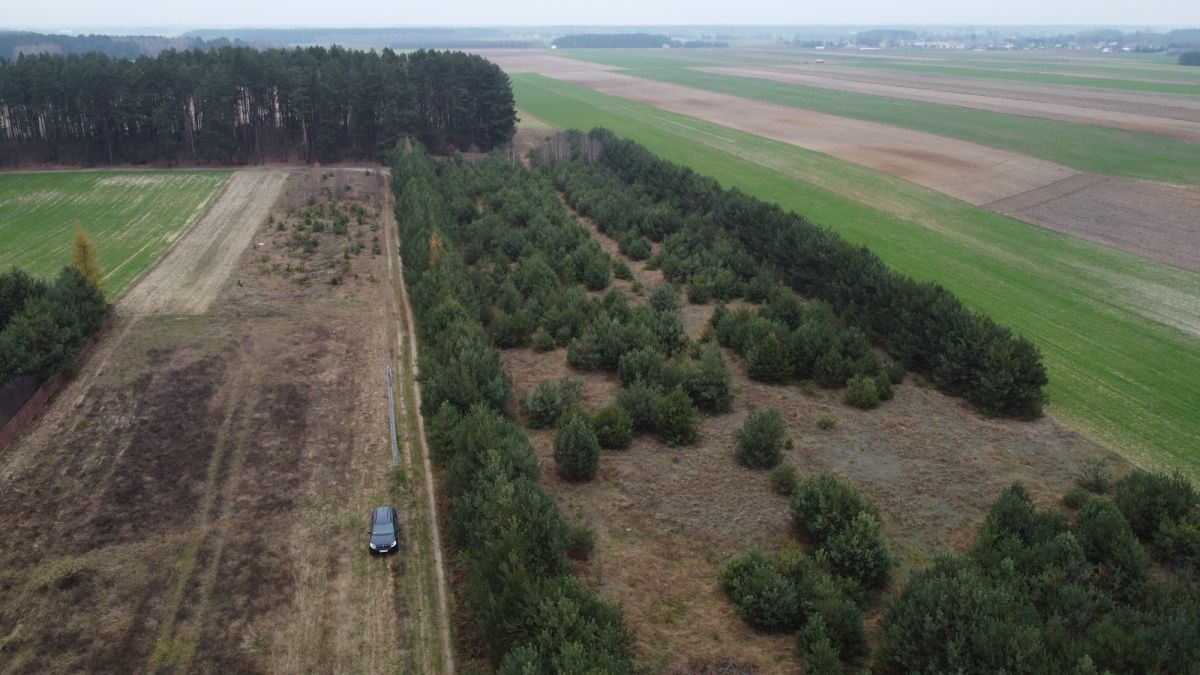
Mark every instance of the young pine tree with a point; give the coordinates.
(83, 258)
(576, 450)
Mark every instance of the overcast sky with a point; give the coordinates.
(360, 13)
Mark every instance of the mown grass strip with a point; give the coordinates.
(131, 217)
(1119, 333)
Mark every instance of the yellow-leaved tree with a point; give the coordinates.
(83, 258)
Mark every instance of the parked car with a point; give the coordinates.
(385, 530)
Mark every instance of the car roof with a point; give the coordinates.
(383, 513)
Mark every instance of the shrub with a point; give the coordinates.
(830, 370)
(760, 440)
(637, 400)
(767, 361)
(613, 427)
(441, 429)
(883, 386)
(621, 271)
(576, 450)
(1075, 498)
(1095, 477)
(676, 419)
(820, 658)
(636, 247)
(546, 403)
(642, 365)
(580, 540)
(542, 340)
(1151, 501)
(511, 330)
(784, 479)
(896, 372)
(1109, 542)
(707, 381)
(759, 593)
(860, 393)
(699, 291)
(857, 550)
(824, 506)
(663, 298)
(825, 422)
(842, 621)
(596, 272)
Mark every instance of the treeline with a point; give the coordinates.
(239, 105)
(726, 239)
(15, 44)
(43, 325)
(532, 614)
(1189, 59)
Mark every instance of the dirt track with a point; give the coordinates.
(197, 501)
(187, 279)
(1181, 123)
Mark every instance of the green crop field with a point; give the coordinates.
(130, 216)
(1079, 80)
(1082, 146)
(1120, 334)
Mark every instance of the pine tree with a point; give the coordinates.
(576, 450)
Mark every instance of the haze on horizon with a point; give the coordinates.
(76, 15)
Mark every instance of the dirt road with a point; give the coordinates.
(187, 279)
(1179, 121)
(198, 501)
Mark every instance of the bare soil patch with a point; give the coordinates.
(188, 278)
(198, 500)
(1156, 221)
(1157, 120)
(666, 519)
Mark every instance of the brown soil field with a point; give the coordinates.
(187, 279)
(197, 500)
(666, 519)
(1140, 217)
(1148, 219)
(1153, 104)
(967, 171)
(1187, 130)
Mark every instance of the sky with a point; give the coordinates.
(60, 15)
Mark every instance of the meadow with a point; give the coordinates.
(130, 216)
(1119, 333)
(1086, 147)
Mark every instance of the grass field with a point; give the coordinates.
(131, 217)
(1121, 335)
(1085, 147)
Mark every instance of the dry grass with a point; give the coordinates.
(666, 519)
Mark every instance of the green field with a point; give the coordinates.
(1119, 333)
(131, 217)
(1082, 146)
(1191, 89)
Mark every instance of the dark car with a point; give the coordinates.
(385, 530)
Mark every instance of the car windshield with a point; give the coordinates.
(382, 528)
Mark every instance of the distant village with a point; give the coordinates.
(1105, 41)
